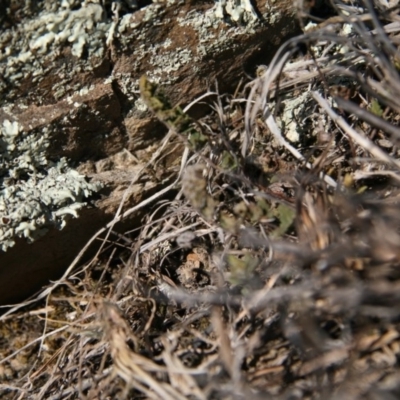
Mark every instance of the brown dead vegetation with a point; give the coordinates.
(273, 272)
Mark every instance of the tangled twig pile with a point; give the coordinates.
(274, 269)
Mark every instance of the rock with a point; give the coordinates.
(73, 71)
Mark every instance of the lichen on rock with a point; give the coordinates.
(238, 10)
(35, 193)
(26, 48)
(85, 93)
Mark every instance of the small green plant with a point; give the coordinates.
(173, 117)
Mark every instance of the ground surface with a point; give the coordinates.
(268, 266)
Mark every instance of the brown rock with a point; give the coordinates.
(83, 88)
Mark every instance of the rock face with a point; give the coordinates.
(72, 71)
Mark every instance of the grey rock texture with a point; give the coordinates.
(69, 71)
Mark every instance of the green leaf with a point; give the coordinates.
(241, 268)
(375, 108)
(285, 215)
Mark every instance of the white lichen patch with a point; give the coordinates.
(237, 10)
(211, 38)
(35, 193)
(80, 28)
(169, 65)
(168, 58)
(30, 48)
(41, 45)
(293, 116)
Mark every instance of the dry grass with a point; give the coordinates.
(274, 273)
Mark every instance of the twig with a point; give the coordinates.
(367, 116)
(362, 141)
(273, 127)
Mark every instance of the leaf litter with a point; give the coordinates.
(271, 269)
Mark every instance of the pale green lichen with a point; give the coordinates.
(30, 48)
(35, 194)
(38, 45)
(77, 28)
(238, 10)
(165, 58)
(211, 38)
(292, 118)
